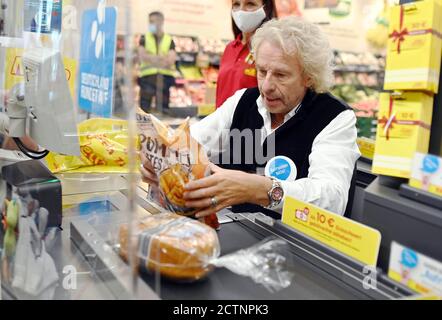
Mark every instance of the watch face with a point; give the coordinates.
(277, 194)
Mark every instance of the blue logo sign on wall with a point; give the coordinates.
(97, 60)
(281, 168)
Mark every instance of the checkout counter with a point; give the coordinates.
(88, 266)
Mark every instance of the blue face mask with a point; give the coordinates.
(153, 28)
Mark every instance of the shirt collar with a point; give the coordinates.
(266, 115)
(238, 40)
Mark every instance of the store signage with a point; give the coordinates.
(281, 168)
(417, 271)
(366, 146)
(426, 173)
(344, 235)
(42, 16)
(205, 19)
(14, 69)
(97, 60)
(424, 297)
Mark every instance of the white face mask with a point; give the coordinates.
(248, 21)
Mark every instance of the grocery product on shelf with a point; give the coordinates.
(198, 62)
(358, 81)
(210, 74)
(404, 122)
(368, 60)
(197, 92)
(415, 46)
(179, 97)
(377, 34)
(190, 72)
(185, 44)
(215, 46)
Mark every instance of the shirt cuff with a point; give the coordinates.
(290, 188)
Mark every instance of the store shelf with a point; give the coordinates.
(358, 69)
(187, 57)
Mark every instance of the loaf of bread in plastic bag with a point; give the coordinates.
(178, 247)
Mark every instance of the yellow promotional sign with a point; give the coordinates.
(70, 66)
(424, 297)
(14, 69)
(421, 273)
(344, 235)
(366, 146)
(206, 109)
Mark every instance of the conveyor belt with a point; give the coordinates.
(223, 284)
(317, 274)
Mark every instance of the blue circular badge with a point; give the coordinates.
(281, 168)
(430, 164)
(409, 258)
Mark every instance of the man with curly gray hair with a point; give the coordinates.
(307, 43)
(287, 137)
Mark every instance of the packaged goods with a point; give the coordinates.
(177, 247)
(404, 122)
(184, 249)
(103, 146)
(176, 158)
(415, 46)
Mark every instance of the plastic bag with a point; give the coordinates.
(103, 147)
(186, 250)
(266, 263)
(176, 246)
(177, 159)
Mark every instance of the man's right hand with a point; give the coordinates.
(147, 171)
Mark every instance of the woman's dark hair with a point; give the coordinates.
(269, 8)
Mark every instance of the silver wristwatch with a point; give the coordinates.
(276, 194)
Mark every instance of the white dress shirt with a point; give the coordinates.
(332, 159)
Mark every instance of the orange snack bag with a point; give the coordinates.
(177, 158)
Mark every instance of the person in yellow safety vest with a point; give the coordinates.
(156, 53)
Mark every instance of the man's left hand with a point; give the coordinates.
(227, 188)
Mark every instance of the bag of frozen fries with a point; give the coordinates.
(103, 146)
(177, 158)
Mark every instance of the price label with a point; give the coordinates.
(344, 235)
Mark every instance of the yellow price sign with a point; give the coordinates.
(366, 146)
(344, 235)
(424, 297)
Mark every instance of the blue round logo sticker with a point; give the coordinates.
(409, 258)
(430, 164)
(281, 168)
